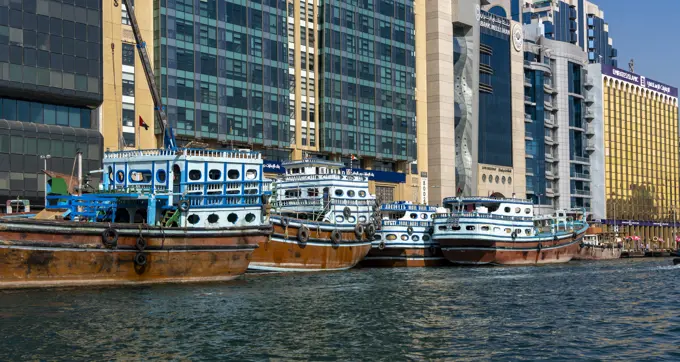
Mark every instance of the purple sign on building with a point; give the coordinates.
(639, 80)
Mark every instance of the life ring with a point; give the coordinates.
(409, 230)
(110, 237)
(303, 234)
(140, 259)
(514, 235)
(335, 236)
(346, 212)
(141, 243)
(381, 246)
(184, 205)
(359, 231)
(285, 221)
(370, 230)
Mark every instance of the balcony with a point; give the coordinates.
(580, 176)
(527, 100)
(548, 105)
(527, 118)
(581, 159)
(549, 157)
(577, 127)
(527, 82)
(528, 136)
(580, 192)
(549, 121)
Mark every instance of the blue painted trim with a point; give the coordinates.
(129, 176)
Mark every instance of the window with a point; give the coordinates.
(413, 216)
(338, 192)
(161, 176)
(214, 174)
(350, 193)
(507, 209)
(194, 175)
(233, 174)
(251, 174)
(129, 88)
(470, 228)
(213, 218)
(128, 51)
(193, 219)
(140, 176)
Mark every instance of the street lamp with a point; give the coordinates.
(45, 158)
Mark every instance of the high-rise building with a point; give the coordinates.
(127, 98)
(578, 22)
(50, 84)
(558, 107)
(334, 80)
(637, 155)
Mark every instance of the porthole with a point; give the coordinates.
(470, 228)
(194, 175)
(456, 228)
(509, 180)
(413, 216)
(338, 192)
(251, 174)
(484, 178)
(232, 218)
(518, 231)
(426, 238)
(423, 216)
(508, 231)
(391, 237)
(250, 217)
(518, 210)
(161, 176)
(339, 219)
(213, 218)
(442, 227)
(527, 211)
(362, 218)
(496, 230)
(404, 237)
(120, 175)
(193, 219)
(527, 231)
(362, 193)
(415, 238)
(110, 173)
(350, 193)
(351, 219)
(233, 174)
(485, 228)
(497, 178)
(377, 237)
(503, 180)
(507, 209)
(214, 174)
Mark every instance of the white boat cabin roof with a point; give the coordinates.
(481, 200)
(311, 166)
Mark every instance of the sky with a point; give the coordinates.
(649, 32)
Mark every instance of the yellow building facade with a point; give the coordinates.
(642, 186)
(126, 93)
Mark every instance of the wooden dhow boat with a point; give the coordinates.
(598, 245)
(483, 230)
(322, 219)
(404, 237)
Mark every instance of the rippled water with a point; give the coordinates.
(623, 309)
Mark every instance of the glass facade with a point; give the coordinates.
(641, 158)
(495, 108)
(42, 113)
(222, 68)
(578, 154)
(367, 59)
(535, 134)
(51, 49)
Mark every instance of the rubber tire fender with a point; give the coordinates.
(370, 230)
(336, 236)
(184, 205)
(140, 243)
(110, 237)
(303, 234)
(359, 231)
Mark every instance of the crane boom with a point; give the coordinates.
(168, 134)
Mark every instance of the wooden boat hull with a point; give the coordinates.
(399, 257)
(58, 253)
(506, 252)
(589, 252)
(285, 252)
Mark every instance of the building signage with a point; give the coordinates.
(380, 176)
(497, 169)
(635, 223)
(639, 80)
(423, 189)
(495, 23)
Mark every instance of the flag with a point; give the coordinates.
(354, 158)
(143, 124)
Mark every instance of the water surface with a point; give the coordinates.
(609, 310)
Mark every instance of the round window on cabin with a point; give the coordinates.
(528, 231)
(251, 174)
(214, 174)
(161, 176)
(507, 209)
(426, 237)
(339, 219)
(110, 173)
(193, 219)
(233, 174)
(518, 210)
(484, 178)
(213, 218)
(415, 238)
(338, 192)
(232, 218)
(470, 228)
(423, 216)
(391, 237)
(527, 211)
(362, 193)
(194, 175)
(351, 219)
(413, 216)
(362, 218)
(404, 237)
(120, 175)
(250, 217)
(350, 193)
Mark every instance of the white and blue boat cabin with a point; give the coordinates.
(319, 190)
(185, 187)
(404, 224)
(500, 218)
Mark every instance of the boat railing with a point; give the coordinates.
(190, 152)
(405, 223)
(454, 199)
(475, 215)
(339, 177)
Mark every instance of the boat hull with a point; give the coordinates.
(285, 252)
(503, 252)
(57, 253)
(590, 252)
(399, 257)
